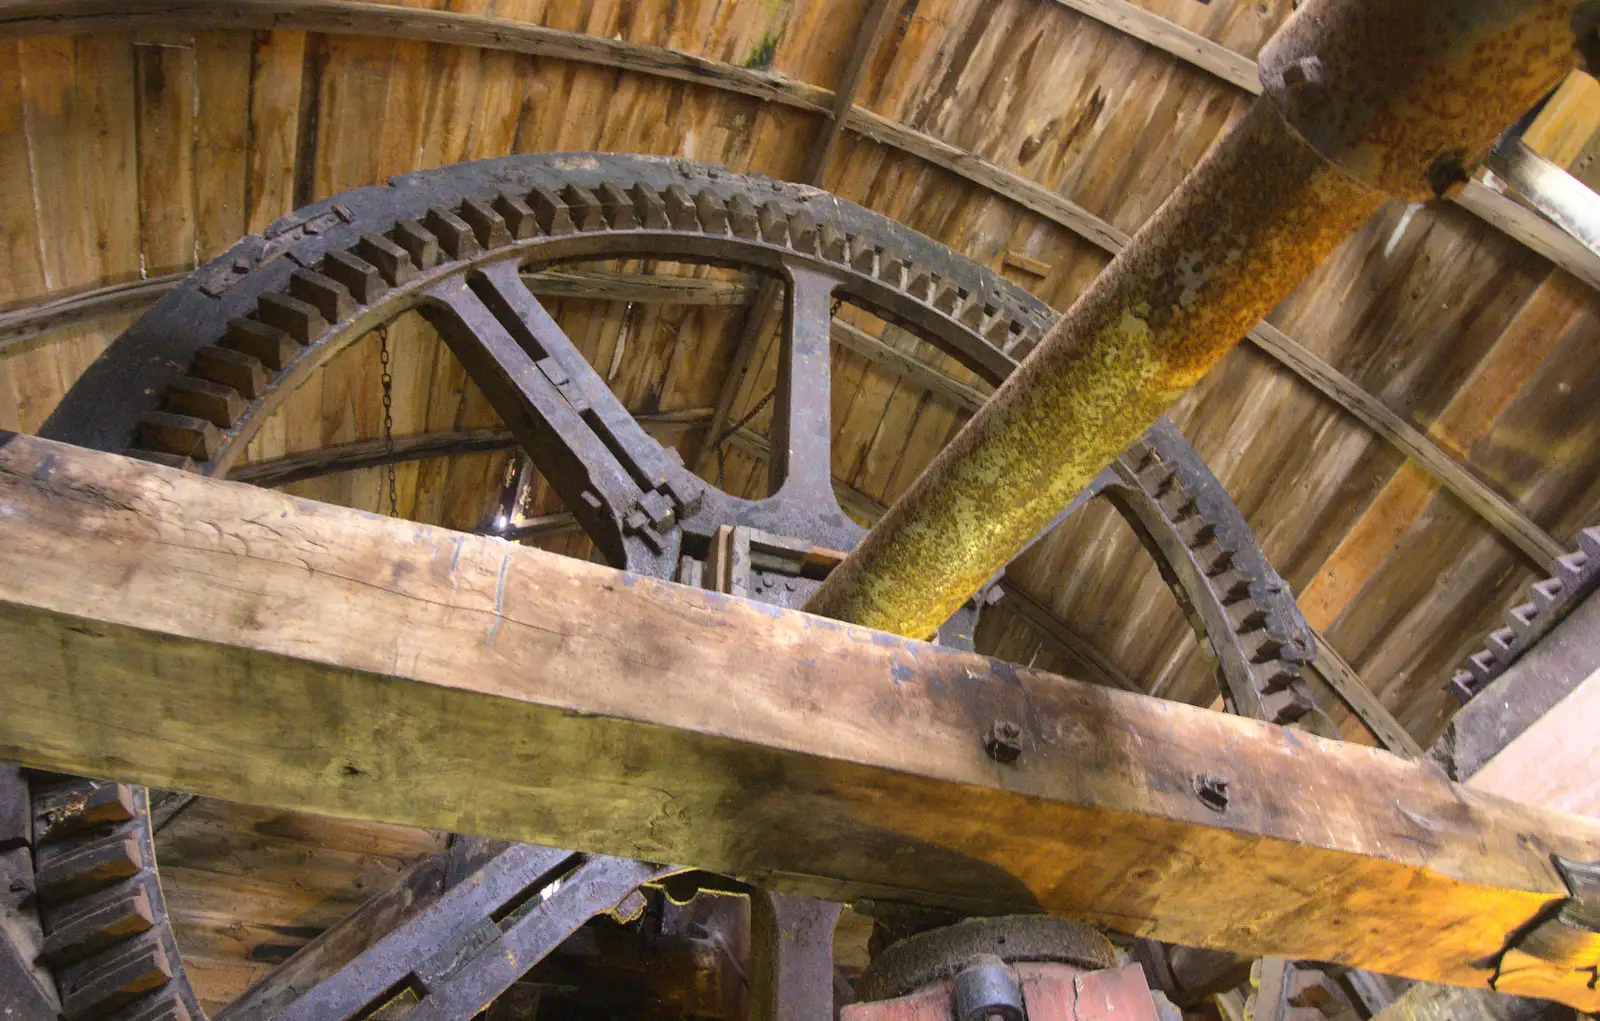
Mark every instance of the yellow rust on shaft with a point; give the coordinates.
(1258, 213)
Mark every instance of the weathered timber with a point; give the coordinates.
(1343, 679)
(26, 321)
(168, 629)
(1190, 47)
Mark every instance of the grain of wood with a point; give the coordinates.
(108, 558)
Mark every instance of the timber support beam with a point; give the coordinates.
(172, 630)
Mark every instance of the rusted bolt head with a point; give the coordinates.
(1003, 742)
(1212, 791)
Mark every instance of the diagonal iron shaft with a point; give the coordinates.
(1364, 99)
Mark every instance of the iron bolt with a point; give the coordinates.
(1212, 791)
(1004, 742)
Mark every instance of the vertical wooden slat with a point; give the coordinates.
(275, 83)
(167, 94)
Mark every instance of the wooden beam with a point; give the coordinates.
(183, 632)
(868, 31)
(25, 321)
(915, 371)
(1190, 47)
(1343, 679)
(310, 464)
(607, 285)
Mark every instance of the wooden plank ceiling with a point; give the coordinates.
(136, 154)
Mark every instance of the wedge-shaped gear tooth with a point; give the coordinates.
(743, 219)
(1229, 583)
(1463, 686)
(358, 276)
(774, 223)
(419, 243)
(649, 208)
(95, 987)
(682, 212)
(271, 346)
(1246, 615)
(518, 216)
(616, 207)
(996, 328)
(1572, 569)
(91, 924)
(1215, 560)
(804, 236)
(1260, 645)
(218, 404)
(834, 244)
(182, 435)
(299, 319)
(1482, 665)
(1290, 705)
(1547, 594)
(975, 312)
(488, 226)
(923, 283)
(1522, 618)
(78, 807)
(584, 206)
(1503, 644)
(712, 213)
(454, 234)
(81, 868)
(949, 298)
(323, 293)
(1196, 530)
(1589, 544)
(1273, 676)
(551, 211)
(864, 255)
(393, 260)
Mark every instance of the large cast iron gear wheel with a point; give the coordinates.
(194, 379)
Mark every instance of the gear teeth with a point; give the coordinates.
(773, 222)
(551, 212)
(923, 282)
(712, 213)
(616, 207)
(948, 298)
(356, 275)
(864, 255)
(682, 212)
(835, 246)
(160, 1007)
(85, 867)
(326, 295)
(454, 234)
(392, 260)
(299, 319)
(742, 217)
(518, 215)
(1286, 706)
(1549, 600)
(78, 807)
(420, 245)
(489, 228)
(229, 368)
(90, 925)
(584, 207)
(181, 435)
(649, 210)
(274, 348)
(804, 236)
(93, 988)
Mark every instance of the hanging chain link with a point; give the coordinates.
(721, 443)
(387, 380)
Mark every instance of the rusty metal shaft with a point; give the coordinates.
(1360, 78)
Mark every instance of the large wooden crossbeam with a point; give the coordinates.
(166, 629)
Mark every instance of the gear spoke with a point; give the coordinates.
(620, 484)
(802, 441)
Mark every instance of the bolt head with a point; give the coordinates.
(1003, 742)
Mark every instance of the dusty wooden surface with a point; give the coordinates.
(240, 643)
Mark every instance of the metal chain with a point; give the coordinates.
(722, 440)
(387, 380)
(720, 445)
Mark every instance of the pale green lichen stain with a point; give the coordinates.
(760, 58)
